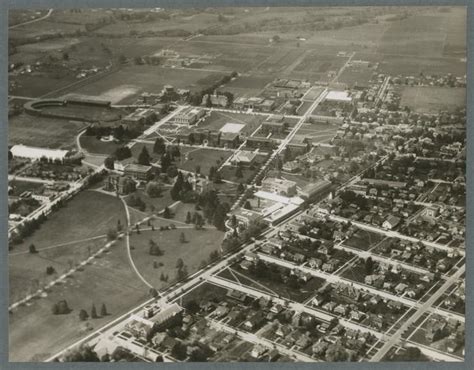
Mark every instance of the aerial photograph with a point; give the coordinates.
(237, 184)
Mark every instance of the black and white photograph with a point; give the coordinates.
(236, 184)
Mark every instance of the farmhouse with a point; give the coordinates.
(35, 153)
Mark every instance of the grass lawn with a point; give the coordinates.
(87, 215)
(21, 186)
(35, 333)
(363, 239)
(205, 158)
(154, 204)
(43, 132)
(432, 99)
(216, 120)
(299, 295)
(93, 145)
(200, 243)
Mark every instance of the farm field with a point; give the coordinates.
(199, 244)
(247, 86)
(432, 99)
(106, 280)
(133, 80)
(42, 131)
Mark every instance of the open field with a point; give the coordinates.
(93, 145)
(154, 204)
(204, 158)
(136, 79)
(247, 86)
(21, 186)
(315, 133)
(199, 244)
(363, 239)
(432, 99)
(43, 131)
(216, 120)
(87, 215)
(33, 329)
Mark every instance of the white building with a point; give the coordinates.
(35, 153)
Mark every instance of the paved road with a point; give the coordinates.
(332, 278)
(423, 308)
(396, 234)
(295, 306)
(254, 339)
(50, 11)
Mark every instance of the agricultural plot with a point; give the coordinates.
(136, 79)
(42, 131)
(356, 76)
(197, 246)
(432, 99)
(247, 86)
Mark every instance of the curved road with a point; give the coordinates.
(50, 11)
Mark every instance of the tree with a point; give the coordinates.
(83, 315)
(103, 310)
(188, 218)
(247, 205)
(238, 172)
(144, 157)
(154, 249)
(153, 189)
(50, 270)
(182, 238)
(179, 263)
(82, 354)
(65, 56)
(240, 188)
(369, 266)
(111, 234)
(166, 213)
(109, 163)
(32, 249)
(276, 38)
(119, 225)
(94, 312)
(219, 217)
(159, 147)
(122, 59)
(60, 308)
(336, 352)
